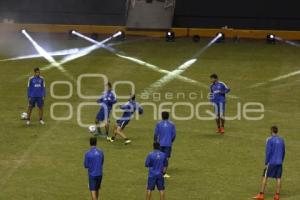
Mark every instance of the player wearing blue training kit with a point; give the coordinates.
(107, 100)
(218, 91)
(157, 163)
(93, 162)
(275, 153)
(36, 92)
(165, 134)
(129, 109)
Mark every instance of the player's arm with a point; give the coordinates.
(113, 99)
(148, 162)
(156, 133)
(44, 88)
(126, 106)
(173, 133)
(86, 162)
(283, 151)
(268, 152)
(225, 89)
(29, 88)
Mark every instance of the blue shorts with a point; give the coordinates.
(273, 171)
(167, 151)
(103, 115)
(95, 183)
(219, 108)
(122, 123)
(39, 101)
(157, 181)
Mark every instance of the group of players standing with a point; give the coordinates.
(164, 136)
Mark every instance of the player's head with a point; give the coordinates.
(132, 97)
(165, 115)
(214, 78)
(93, 141)
(108, 86)
(36, 71)
(156, 146)
(274, 130)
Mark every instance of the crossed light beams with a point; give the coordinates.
(70, 57)
(138, 61)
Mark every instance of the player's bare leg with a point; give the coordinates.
(29, 111)
(278, 187)
(41, 112)
(162, 195)
(218, 122)
(260, 196)
(107, 128)
(222, 123)
(97, 123)
(119, 131)
(148, 195)
(94, 195)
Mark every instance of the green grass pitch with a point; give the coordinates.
(45, 162)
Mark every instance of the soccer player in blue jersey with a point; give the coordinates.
(218, 91)
(129, 109)
(165, 134)
(157, 163)
(107, 100)
(93, 162)
(36, 92)
(275, 153)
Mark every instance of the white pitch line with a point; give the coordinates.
(285, 76)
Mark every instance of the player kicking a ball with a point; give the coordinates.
(129, 109)
(157, 163)
(275, 152)
(36, 92)
(218, 91)
(107, 100)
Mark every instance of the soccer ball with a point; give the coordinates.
(92, 129)
(24, 116)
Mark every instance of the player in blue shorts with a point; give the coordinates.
(218, 91)
(129, 109)
(107, 100)
(165, 134)
(275, 153)
(36, 92)
(93, 162)
(157, 163)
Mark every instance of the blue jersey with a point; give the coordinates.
(156, 161)
(165, 133)
(218, 90)
(93, 161)
(275, 151)
(36, 87)
(129, 109)
(108, 99)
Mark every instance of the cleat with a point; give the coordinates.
(110, 139)
(42, 122)
(167, 176)
(276, 197)
(127, 141)
(222, 130)
(218, 130)
(27, 122)
(259, 197)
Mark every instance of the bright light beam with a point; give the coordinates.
(54, 53)
(179, 70)
(287, 41)
(138, 61)
(42, 52)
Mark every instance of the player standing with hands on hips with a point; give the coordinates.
(36, 92)
(275, 153)
(218, 91)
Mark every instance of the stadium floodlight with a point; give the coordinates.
(221, 37)
(23, 31)
(170, 36)
(271, 38)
